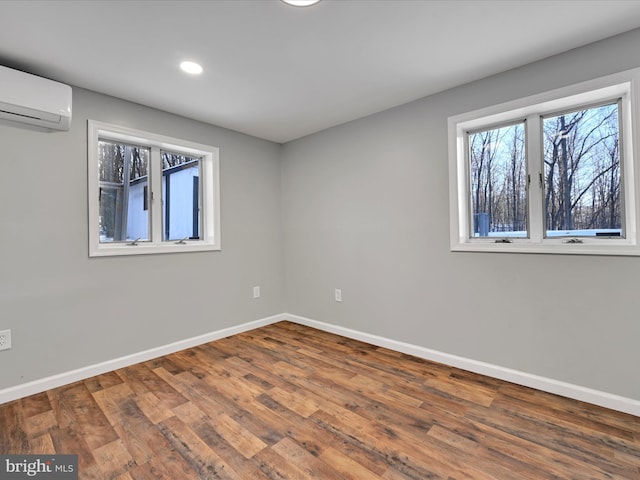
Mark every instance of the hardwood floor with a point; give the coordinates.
(290, 402)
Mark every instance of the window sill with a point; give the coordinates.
(109, 250)
(555, 249)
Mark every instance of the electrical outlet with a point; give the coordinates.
(338, 295)
(256, 292)
(5, 339)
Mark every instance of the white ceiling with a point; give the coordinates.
(279, 72)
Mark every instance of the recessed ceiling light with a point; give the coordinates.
(191, 67)
(301, 3)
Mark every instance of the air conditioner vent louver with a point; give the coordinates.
(25, 116)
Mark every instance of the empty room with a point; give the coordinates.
(334, 239)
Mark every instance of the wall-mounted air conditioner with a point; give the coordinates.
(27, 98)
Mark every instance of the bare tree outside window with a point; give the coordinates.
(499, 181)
(582, 177)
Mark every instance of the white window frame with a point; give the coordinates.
(210, 192)
(623, 86)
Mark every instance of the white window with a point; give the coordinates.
(552, 173)
(150, 193)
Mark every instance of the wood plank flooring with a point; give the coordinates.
(290, 402)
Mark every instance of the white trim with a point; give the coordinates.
(576, 392)
(30, 388)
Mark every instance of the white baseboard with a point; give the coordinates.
(576, 392)
(596, 397)
(37, 386)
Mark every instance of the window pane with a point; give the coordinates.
(498, 182)
(123, 171)
(582, 178)
(180, 196)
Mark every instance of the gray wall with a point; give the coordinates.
(66, 310)
(362, 207)
(365, 209)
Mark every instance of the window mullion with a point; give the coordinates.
(536, 178)
(155, 195)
